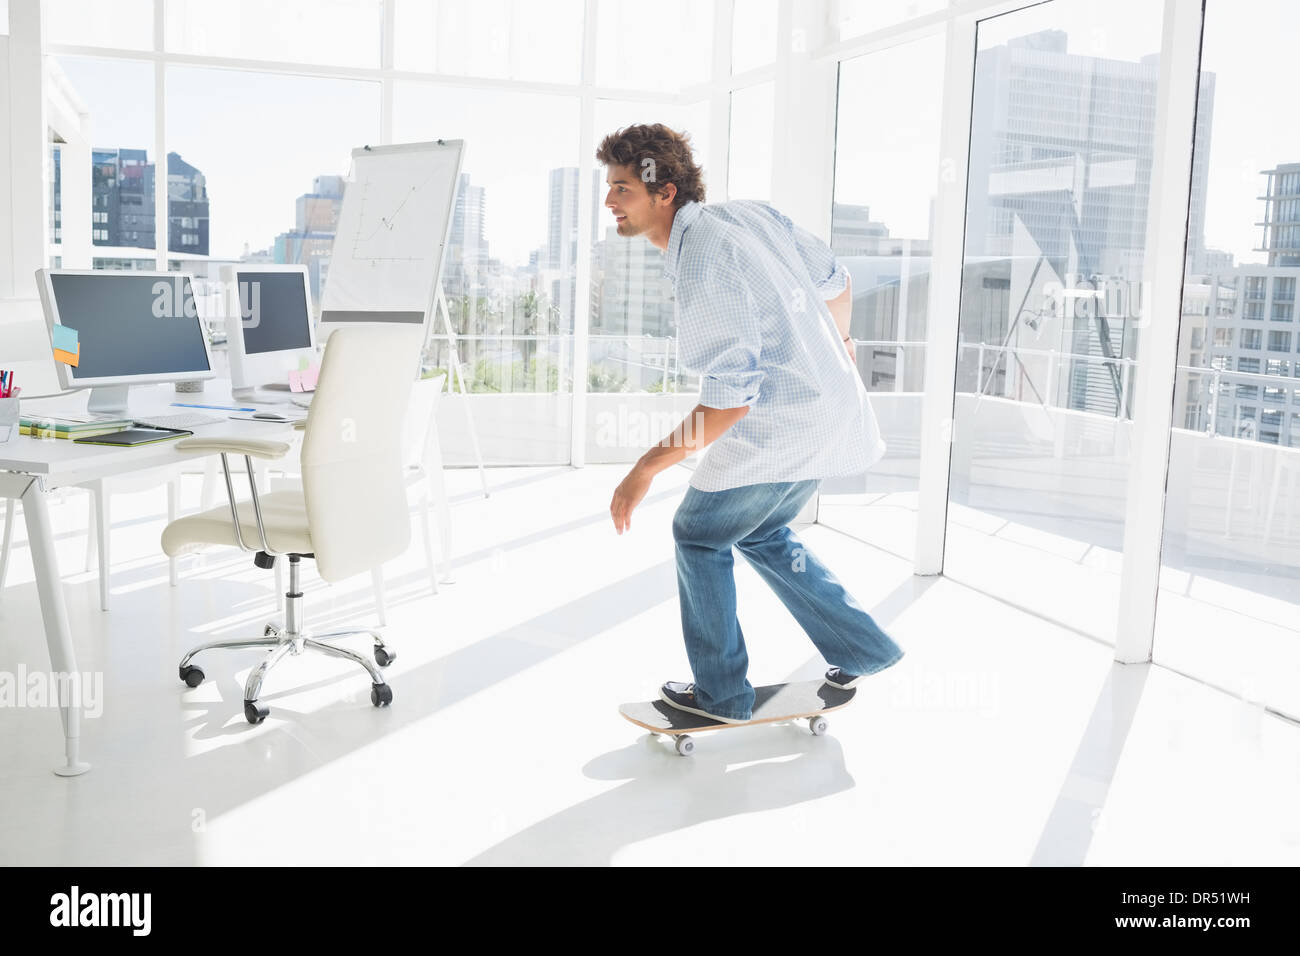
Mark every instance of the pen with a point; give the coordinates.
(226, 408)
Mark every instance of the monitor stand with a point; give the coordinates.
(263, 395)
(108, 400)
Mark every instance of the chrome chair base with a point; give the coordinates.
(285, 640)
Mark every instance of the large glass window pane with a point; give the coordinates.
(636, 389)
(749, 153)
(1229, 607)
(337, 32)
(886, 170)
(247, 165)
(856, 17)
(538, 40)
(118, 97)
(510, 268)
(123, 24)
(633, 53)
(753, 34)
(1062, 133)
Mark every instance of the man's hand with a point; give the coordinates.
(628, 495)
(698, 429)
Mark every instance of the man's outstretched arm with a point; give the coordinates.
(697, 430)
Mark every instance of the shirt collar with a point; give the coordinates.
(682, 220)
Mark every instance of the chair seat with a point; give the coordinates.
(284, 515)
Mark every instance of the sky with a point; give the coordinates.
(261, 138)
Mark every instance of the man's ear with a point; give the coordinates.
(669, 193)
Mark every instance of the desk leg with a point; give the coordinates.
(63, 659)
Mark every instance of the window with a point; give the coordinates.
(118, 97)
(1214, 525)
(856, 17)
(887, 163)
(124, 24)
(753, 34)
(214, 195)
(338, 32)
(501, 39)
(629, 57)
(749, 174)
(1284, 287)
(1083, 115)
(1223, 338)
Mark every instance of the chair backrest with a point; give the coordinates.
(421, 420)
(352, 456)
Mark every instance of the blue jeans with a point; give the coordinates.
(754, 518)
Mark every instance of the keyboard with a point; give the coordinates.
(179, 420)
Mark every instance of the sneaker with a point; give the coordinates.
(842, 681)
(682, 697)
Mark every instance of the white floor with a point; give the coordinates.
(999, 739)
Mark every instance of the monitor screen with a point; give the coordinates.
(129, 325)
(275, 314)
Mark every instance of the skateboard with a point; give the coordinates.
(773, 703)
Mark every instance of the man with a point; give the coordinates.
(781, 405)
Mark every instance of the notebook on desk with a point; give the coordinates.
(135, 436)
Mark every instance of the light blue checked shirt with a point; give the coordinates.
(752, 321)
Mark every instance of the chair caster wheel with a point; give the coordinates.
(384, 657)
(381, 695)
(192, 675)
(254, 712)
(270, 630)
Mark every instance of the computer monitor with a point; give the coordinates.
(133, 328)
(268, 325)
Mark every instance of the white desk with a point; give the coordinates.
(30, 468)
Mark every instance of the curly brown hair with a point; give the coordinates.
(660, 156)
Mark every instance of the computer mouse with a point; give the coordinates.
(270, 416)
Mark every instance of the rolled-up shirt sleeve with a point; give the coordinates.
(828, 276)
(720, 337)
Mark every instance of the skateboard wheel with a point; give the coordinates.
(685, 746)
(817, 725)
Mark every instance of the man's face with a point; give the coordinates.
(632, 204)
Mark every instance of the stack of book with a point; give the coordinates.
(68, 427)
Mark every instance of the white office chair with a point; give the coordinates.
(350, 514)
(424, 474)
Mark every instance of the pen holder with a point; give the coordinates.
(8, 418)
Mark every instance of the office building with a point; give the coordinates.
(310, 242)
(123, 206)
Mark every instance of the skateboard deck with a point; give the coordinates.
(773, 703)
